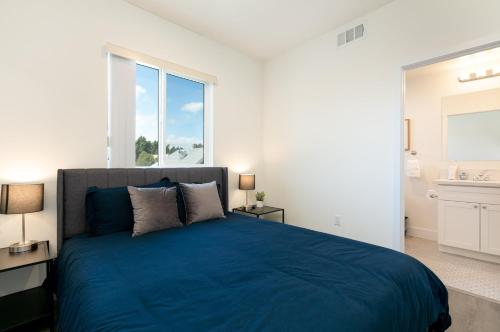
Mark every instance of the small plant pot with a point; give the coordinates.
(260, 204)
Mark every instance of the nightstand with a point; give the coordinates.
(261, 211)
(27, 310)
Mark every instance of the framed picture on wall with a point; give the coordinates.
(407, 133)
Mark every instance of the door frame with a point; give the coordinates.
(401, 116)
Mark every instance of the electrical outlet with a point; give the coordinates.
(337, 222)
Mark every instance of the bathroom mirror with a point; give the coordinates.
(474, 136)
(471, 126)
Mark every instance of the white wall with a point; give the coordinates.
(423, 105)
(332, 121)
(53, 97)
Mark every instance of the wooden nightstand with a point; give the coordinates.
(29, 309)
(261, 211)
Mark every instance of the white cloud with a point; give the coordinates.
(192, 107)
(139, 91)
(146, 126)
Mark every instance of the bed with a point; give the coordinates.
(231, 274)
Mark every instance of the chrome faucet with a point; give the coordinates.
(481, 176)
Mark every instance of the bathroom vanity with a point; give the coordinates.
(469, 210)
(469, 218)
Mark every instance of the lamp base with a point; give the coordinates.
(23, 246)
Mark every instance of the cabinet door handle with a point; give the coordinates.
(484, 207)
(475, 206)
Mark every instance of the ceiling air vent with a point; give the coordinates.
(359, 31)
(350, 35)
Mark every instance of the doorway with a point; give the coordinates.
(448, 124)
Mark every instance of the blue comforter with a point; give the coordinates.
(240, 274)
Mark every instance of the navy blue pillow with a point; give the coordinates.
(109, 210)
(181, 208)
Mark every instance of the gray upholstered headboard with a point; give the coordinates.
(72, 186)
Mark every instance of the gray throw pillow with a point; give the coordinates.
(202, 201)
(154, 209)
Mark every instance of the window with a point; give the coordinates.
(184, 125)
(168, 123)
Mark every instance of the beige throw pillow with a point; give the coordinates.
(154, 209)
(202, 201)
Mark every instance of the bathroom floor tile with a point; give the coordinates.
(463, 273)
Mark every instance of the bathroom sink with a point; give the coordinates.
(470, 183)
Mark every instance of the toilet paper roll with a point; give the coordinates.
(431, 194)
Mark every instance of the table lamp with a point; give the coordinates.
(247, 182)
(21, 199)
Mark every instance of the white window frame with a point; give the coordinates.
(165, 67)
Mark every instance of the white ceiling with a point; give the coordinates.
(260, 28)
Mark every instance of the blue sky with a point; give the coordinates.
(184, 110)
(185, 100)
(146, 101)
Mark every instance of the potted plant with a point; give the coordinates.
(260, 195)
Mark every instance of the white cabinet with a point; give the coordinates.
(490, 229)
(469, 221)
(459, 224)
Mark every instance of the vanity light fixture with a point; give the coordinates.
(488, 73)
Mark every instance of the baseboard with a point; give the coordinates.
(423, 233)
(482, 297)
(469, 253)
